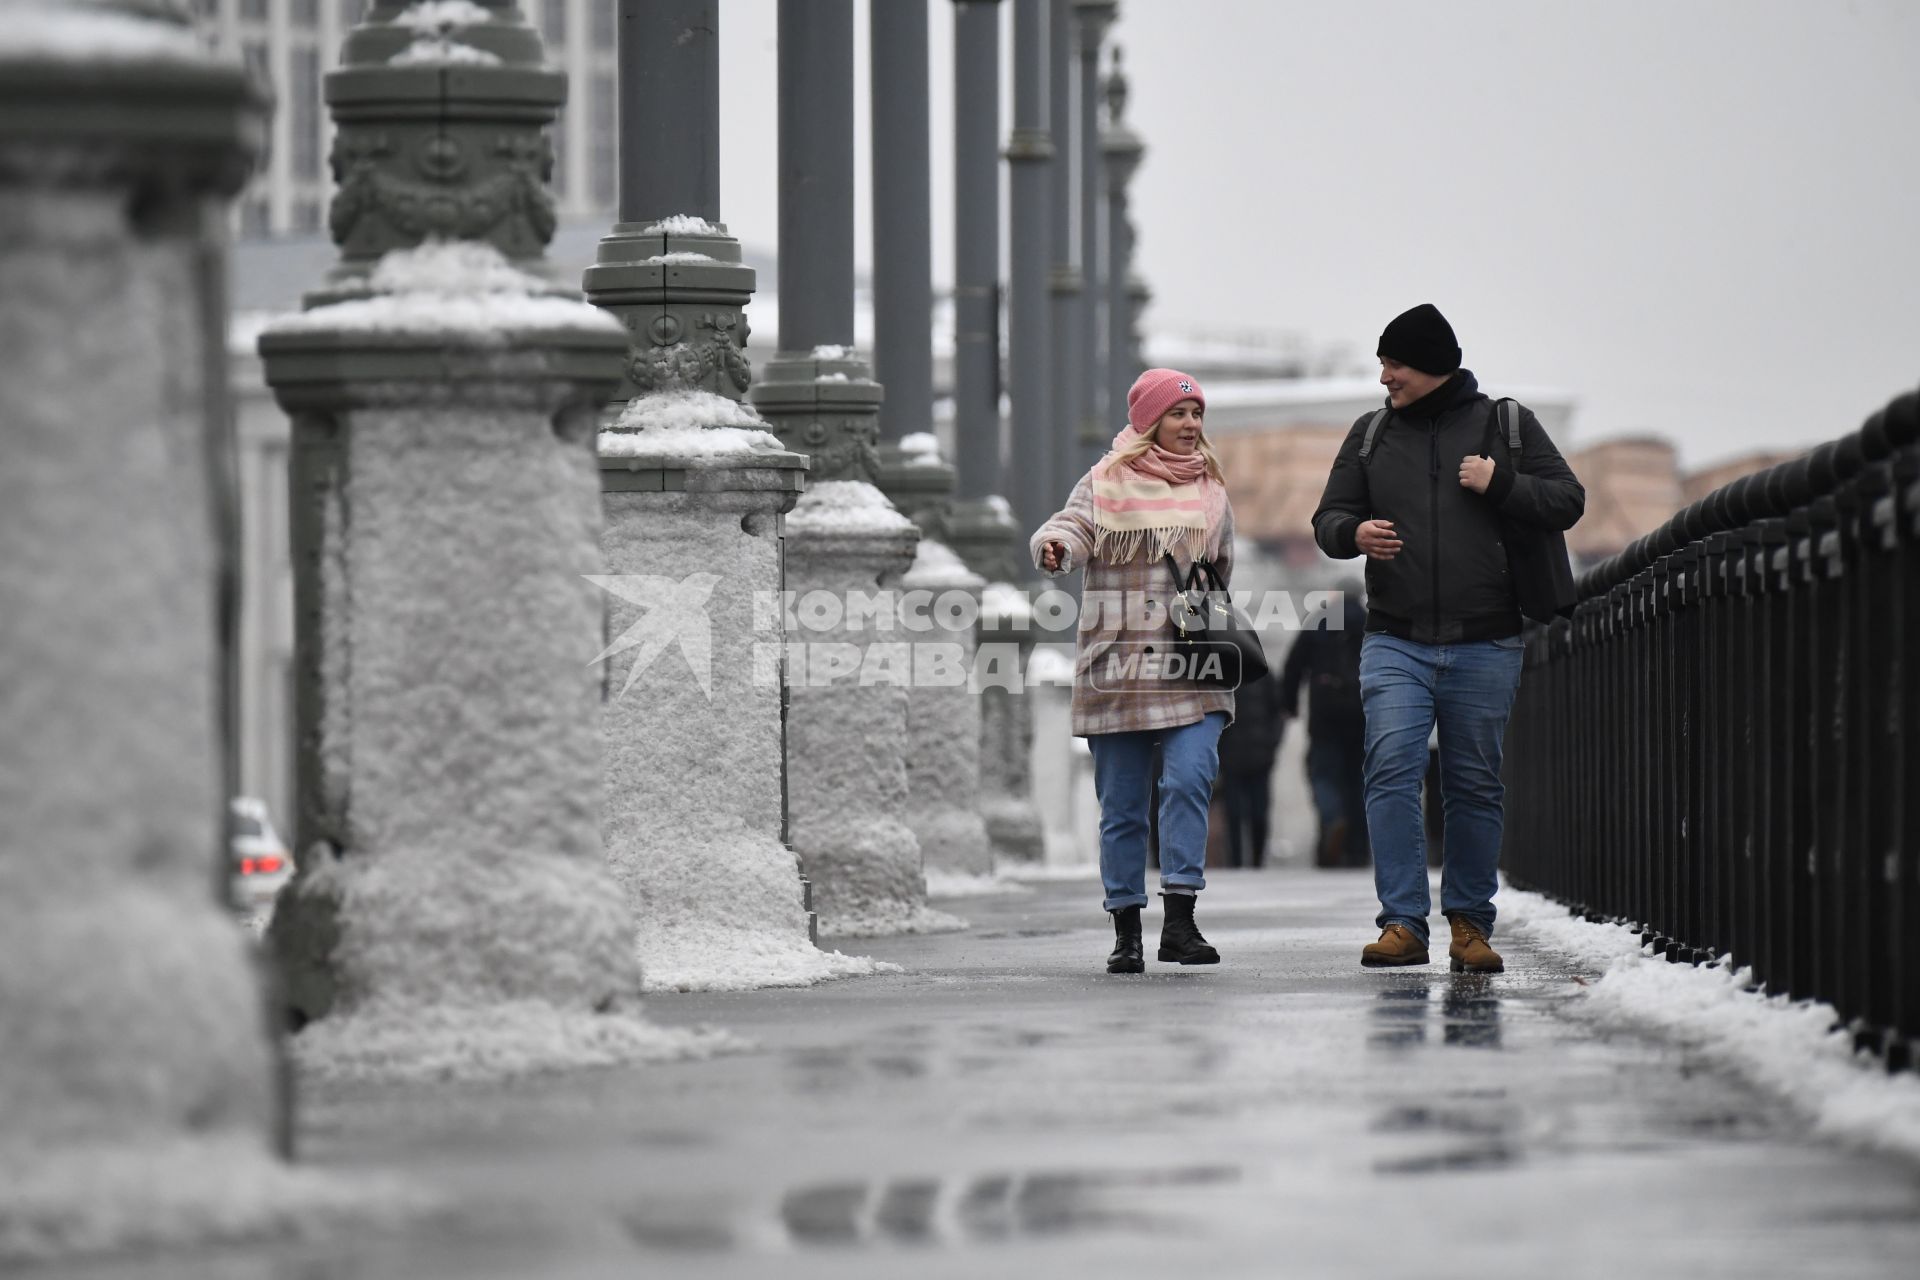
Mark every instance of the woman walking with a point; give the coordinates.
(1158, 492)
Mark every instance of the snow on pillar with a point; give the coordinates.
(453, 912)
(943, 716)
(694, 488)
(137, 1072)
(846, 545)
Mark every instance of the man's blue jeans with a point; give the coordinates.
(1469, 688)
(1123, 781)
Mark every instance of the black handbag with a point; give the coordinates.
(1217, 639)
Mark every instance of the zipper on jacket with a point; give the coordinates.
(1433, 516)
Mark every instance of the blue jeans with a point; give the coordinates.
(1469, 689)
(1122, 767)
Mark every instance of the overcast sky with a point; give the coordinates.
(1700, 217)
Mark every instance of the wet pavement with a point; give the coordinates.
(1005, 1108)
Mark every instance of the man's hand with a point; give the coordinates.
(1052, 556)
(1377, 539)
(1476, 473)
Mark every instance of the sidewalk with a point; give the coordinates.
(1006, 1108)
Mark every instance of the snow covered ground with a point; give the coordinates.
(1793, 1050)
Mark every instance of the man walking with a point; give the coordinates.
(1428, 493)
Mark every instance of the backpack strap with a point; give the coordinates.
(1373, 429)
(1503, 421)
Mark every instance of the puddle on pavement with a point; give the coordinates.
(905, 1212)
(1469, 1013)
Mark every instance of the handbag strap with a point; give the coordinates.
(1173, 567)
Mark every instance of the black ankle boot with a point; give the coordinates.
(1180, 940)
(1127, 956)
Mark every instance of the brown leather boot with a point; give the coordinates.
(1398, 945)
(1469, 951)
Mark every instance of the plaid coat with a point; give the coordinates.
(1105, 699)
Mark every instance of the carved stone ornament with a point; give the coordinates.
(716, 362)
(448, 149)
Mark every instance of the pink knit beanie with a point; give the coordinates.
(1156, 391)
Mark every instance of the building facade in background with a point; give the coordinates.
(290, 45)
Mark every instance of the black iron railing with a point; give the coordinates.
(1718, 748)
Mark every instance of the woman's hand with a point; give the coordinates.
(1052, 556)
(1378, 539)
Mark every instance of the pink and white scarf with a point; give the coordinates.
(1162, 499)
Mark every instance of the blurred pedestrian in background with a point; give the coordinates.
(1248, 749)
(1326, 662)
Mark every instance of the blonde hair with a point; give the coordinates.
(1126, 455)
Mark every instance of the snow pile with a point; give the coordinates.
(1790, 1049)
(920, 449)
(181, 1193)
(830, 351)
(686, 424)
(999, 505)
(681, 224)
(394, 1040)
(679, 256)
(452, 286)
(722, 913)
(942, 883)
(832, 377)
(442, 51)
(846, 507)
(935, 567)
(1003, 605)
(92, 33)
(890, 921)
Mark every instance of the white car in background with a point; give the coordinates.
(260, 863)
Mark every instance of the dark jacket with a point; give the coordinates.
(1449, 583)
(1328, 663)
(1249, 746)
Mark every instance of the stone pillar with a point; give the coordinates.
(902, 219)
(1030, 355)
(943, 717)
(982, 527)
(1098, 420)
(912, 474)
(1064, 281)
(1006, 731)
(693, 490)
(847, 726)
(136, 1053)
(1139, 296)
(452, 912)
(669, 269)
(1120, 150)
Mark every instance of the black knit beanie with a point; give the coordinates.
(1423, 339)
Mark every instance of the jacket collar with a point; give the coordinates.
(1456, 390)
